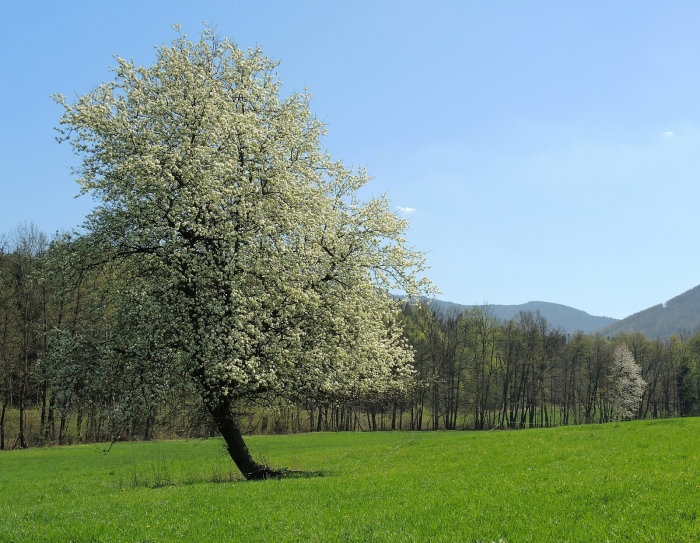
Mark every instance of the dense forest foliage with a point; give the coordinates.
(472, 371)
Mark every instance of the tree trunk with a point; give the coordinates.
(79, 425)
(22, 440)
(147, 431)
(50, 425)
(62, 429)
(237, 449)
(2, 425)
(44, 391)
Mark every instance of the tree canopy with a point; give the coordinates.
(246, 263)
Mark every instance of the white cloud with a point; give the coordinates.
(668, 134)
(403, 209)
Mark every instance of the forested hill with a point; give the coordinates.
(559, 316)
(681, 313)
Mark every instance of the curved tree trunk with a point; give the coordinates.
(237, 449)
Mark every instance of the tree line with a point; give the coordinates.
(477, 372)
(470, 370)
(54, 318)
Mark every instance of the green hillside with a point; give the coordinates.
(679, 314)
(637, 481)
(561, 316)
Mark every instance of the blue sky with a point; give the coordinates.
(542, 150)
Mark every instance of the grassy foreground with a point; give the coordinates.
(636, 481)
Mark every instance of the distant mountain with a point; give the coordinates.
(559, 316)
(678, 314)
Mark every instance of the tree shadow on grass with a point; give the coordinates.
(276, 475)
(285, 473)
(160, 477)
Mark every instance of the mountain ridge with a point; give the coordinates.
(679, 314)
(561, 316)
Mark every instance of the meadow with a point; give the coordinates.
(634, 481)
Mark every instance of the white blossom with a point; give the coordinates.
(627, 385)
(242, 245)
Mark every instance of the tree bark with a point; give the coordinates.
(44, 391)
(2, 425)
(22, 440)
(237, 449)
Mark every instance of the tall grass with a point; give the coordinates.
(637, 481)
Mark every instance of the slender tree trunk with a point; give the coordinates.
(237, 449)
(22, 440)
(44, 394)
(62, 429)
(49, 435)
(79, 425)
(2, 425)
(311, 412)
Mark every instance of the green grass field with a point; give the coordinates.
(630, 482)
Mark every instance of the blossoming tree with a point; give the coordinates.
(247, 261)
(627, 384)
